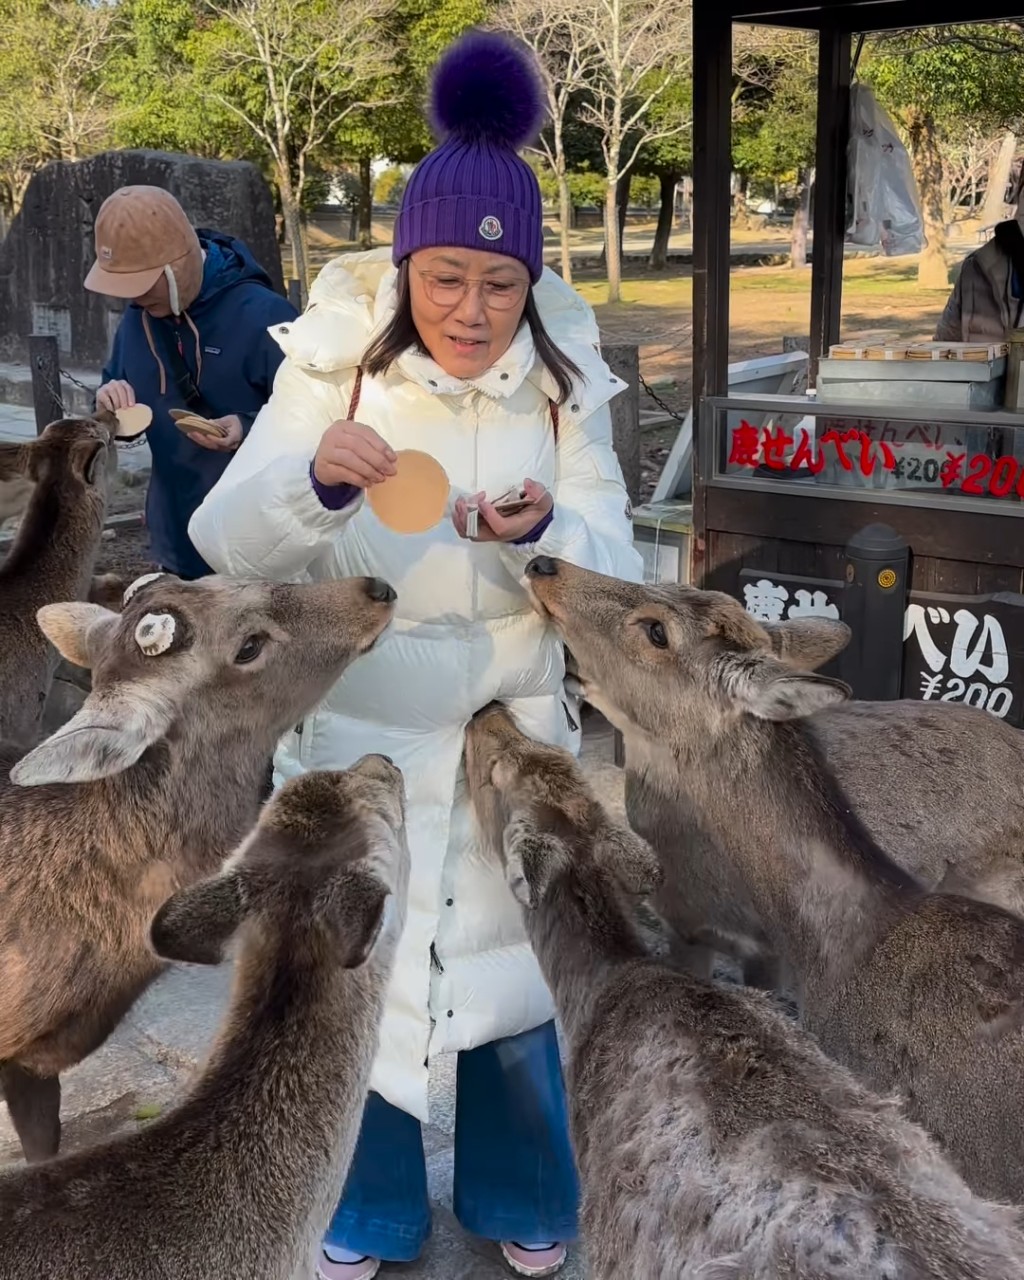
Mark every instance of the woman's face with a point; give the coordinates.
(467, 305)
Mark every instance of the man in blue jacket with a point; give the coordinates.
(194, 337)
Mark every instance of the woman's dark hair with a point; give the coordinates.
(400, 334)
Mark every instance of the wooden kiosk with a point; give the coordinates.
(905, 520)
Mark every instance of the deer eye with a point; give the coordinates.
(655, 633)
(251, 649)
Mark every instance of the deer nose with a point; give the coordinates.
(542, 567)
(380, 591)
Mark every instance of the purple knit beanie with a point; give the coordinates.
(474, 191)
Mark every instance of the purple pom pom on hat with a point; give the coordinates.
(474, 191)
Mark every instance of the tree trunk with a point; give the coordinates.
(801, 221)
(365, 202)
(622, 201)
(666, 210)
(564, 224)
(999, 171)
(612, 247)
(740, 212)
(926, 159)
(293, 227)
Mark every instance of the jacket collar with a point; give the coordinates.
(354, 297)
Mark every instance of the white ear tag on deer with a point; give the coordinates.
(132, 420)
(138, 584)
(155, 633)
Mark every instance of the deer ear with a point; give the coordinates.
(366, 915)
(108, 735)
(531, 859)
(765, 688)
(196, 924)
(76, 629)
(807, 643)
(629, 858)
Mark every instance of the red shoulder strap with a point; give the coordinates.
(353, 404)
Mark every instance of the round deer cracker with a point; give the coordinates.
(414, 499)
(133, 420)
(195, 423)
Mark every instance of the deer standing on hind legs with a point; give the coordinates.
(714, 1138)
(915, 991)
(241, 1178)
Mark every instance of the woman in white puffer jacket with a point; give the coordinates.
(467, 348)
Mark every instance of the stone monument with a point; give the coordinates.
(49, 248)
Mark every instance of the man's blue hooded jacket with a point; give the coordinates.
(233, 363)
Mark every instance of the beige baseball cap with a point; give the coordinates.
(139, 231)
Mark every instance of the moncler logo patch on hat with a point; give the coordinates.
(490, 228)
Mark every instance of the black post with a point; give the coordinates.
(874, 605)
(44, 361)
(295, 294)
(835, 66)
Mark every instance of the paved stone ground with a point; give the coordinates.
(155, 1051)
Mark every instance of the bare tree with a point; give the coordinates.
(77, 111)
(292, 71)
(997, 180)
(968, 158)
(566, 53)
(640, 45)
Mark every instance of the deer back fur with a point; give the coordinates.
(713, 1137)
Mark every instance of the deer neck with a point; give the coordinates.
(193, 796)
(581, 935)
(824, 890)
(287, 1079)
(57, 539)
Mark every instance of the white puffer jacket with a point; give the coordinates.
(464, 633)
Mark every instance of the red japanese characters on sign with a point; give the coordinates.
(775, 449)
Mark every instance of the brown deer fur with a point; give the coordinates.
(714, 1138)
(914, 991)
(240, 1180)
(144, 791)
(70, 467)
(882, 750)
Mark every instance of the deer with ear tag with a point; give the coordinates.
(144, 791)
(917, 991)
(240, 1179)
(713, 1137)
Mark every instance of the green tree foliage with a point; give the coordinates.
(933, 87)
(389, 186)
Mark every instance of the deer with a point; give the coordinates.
(241, 1177)
(915, 991)
(714, 1138)
(143, 792)
(908, 749)
(69, 467)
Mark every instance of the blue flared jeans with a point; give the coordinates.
(515, 1176)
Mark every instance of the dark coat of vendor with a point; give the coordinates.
(195, 336)
(988, 299)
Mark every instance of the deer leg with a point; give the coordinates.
(34, 1105)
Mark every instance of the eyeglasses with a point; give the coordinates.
(444, 289)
